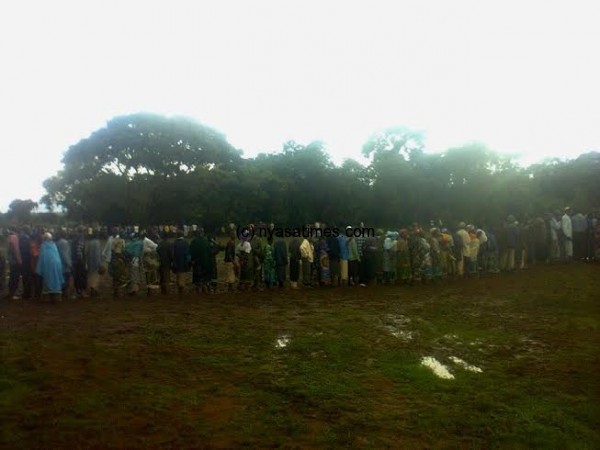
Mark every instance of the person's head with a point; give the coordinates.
(461, 225)
(568, 211)
(47, 236)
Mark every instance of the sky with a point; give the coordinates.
(520, 76)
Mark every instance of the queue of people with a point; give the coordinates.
(70, 264)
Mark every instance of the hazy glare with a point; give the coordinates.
(520, 76)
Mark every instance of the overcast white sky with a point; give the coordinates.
(520, 76)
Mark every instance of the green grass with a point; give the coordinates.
(207, 371)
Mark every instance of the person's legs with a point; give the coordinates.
(180, 280)
(13, 280)
(511, 259)
(344, 271)
(306, 272)
(27, 276)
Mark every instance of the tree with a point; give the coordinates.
(134, 164)
(20, 210)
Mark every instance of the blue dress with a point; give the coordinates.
(49, 267)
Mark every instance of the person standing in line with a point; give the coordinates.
(540, 237)
(447, 258)
(591, 228)
(64, 250)
(2, 264)
(473, 251)
(333, 251)
(258, 245)
(462, 243)
(492, 250)
(214, 248)
(579, 224)
(93, 256)
(200, 254)
(244, 257)
(307, 253)
(512, 241)
(78, 259)
(229, 260)
(269, 263)
(281, 260)
(150, 262)
(403, 269)
(26, 272)
(555, 232)
(181, 261)
(353, 262)
(295, 258)
(35, 244)
(360, 246)
(567, 229)
(164, 251)
(344, 256)
(390, 248)
(322, 252)
(423, 257)
(49, 268)
(436, 253)
(134, 249)
(118, 263)
(14, 263)
(369, 259)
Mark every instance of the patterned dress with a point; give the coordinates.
(270, 272)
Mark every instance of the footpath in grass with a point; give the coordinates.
(509, 361)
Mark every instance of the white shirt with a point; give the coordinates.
(565, 224)
(149, 245)
(307, 250)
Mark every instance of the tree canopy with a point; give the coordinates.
(146, 168)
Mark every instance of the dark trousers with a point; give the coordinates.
(306, 272)
(165, 279)
(79, 277)
(13, 279)
(353, 270)
(37, 285)
(2, 272)
(579, 245)
(294, 270)
(27, 277)
(281, 274)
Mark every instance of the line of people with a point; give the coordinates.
(72, 263)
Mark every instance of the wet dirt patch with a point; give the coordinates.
(465, 365)
(398, 325)
(283, 341)
(438, 369)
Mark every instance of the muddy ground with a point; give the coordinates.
(312, 368)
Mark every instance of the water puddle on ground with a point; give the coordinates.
(465, 365)
(400, 334)
(436, 367)
(283, 341)
(394, 324)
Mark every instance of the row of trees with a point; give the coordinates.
(146, 168)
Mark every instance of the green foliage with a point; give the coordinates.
(146, 168)
(20, 210)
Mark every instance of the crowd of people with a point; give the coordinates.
(71, 263)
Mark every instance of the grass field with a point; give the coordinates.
(315, 368)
